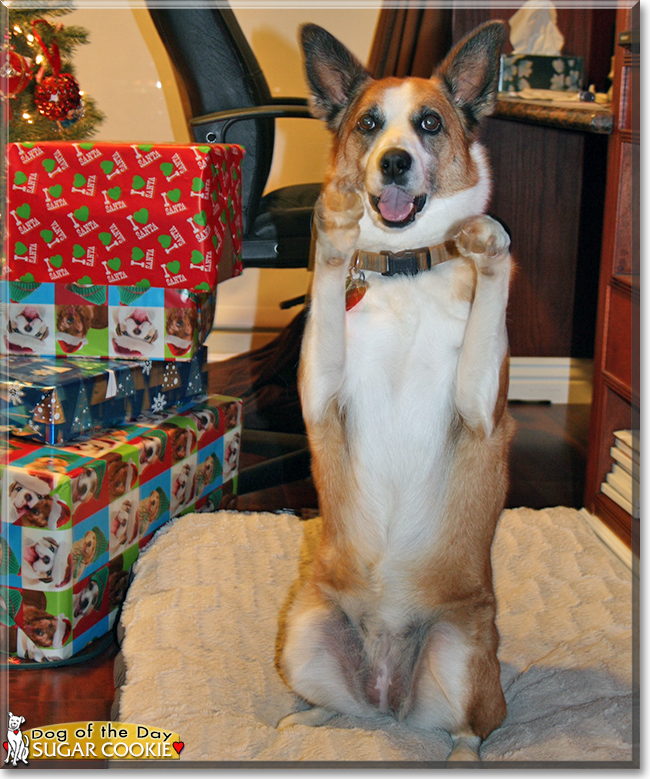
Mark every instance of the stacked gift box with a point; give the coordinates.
(113, 253)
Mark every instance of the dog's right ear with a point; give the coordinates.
(334, 74)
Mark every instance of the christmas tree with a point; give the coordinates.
(41, 99)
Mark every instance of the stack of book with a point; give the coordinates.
(622, 482)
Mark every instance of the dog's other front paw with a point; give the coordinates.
(483, 240)
(337, 216)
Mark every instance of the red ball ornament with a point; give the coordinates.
(14, 72)
(56, 97)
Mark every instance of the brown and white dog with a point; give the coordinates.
(404, 398)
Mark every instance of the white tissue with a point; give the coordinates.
(533, 29)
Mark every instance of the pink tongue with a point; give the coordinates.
(395, 205)
(30, 312)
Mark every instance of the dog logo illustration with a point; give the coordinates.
(17, 744)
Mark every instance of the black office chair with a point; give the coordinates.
(230, 102)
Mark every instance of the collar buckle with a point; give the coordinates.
(407, 262)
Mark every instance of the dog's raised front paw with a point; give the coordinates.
(337, 216)
(483, 240)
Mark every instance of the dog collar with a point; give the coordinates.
(408, 262)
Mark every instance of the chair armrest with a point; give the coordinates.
(223, 120)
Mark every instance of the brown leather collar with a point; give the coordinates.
(408, 262)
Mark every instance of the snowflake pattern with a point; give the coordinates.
(146, 367)
(16, 394)
(158, 404)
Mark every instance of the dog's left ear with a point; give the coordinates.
(334, 74)
(471, 71)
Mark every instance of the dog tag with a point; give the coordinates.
(355, 288)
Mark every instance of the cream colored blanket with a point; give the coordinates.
(201, 625)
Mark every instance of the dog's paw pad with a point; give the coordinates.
(483, 239)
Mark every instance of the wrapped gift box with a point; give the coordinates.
(162, 215)
(75, 517)
(55, 401)
(536, 71)
(75, 320)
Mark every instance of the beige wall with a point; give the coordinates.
(125, 68)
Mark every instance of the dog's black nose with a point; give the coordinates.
(395, 163)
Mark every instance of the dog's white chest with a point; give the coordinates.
(403, 343)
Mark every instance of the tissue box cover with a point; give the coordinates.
(55, 401)
(536, 71)
(163, 215)
(75, 517)
(129, 323)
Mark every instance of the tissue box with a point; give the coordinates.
(534, 71)
(54, 401)
(75, 517)
(74, 320)
(159, 215)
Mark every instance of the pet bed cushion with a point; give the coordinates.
(201, 630)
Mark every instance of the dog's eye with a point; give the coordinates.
(430, 123)
(366, 123)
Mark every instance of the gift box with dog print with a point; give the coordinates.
(55, 401)
(75, 516)
(94, 320)
(153, 215)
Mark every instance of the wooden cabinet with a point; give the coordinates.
(616, 359)
(549, 191)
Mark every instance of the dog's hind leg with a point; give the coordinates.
(323, 661)
(310, 717)
(481, 385)
(459, 686)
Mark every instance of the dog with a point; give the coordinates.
(231, 415)
(46, 562)
(17, 745)
(84, 487)
(85, 601)
(135, 332)
(181, 323)
(183, 487)
(73, 323)
(403, 383)
(27, 329)
(148, 511)
(43, 629)
(151, 451)
(205, 421)
(231, 455)
(31, 504)
(118, 584)
(124, 524)
(180, 441)
(120, 476)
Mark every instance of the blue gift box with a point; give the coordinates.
(54, 400)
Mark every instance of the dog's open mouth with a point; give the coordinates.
(396, 206)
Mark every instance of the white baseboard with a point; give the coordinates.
(223, 344)
(554, 379)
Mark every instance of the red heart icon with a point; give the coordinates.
(178, 746)
(6, 746)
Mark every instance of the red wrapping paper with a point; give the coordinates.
(159, 215)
